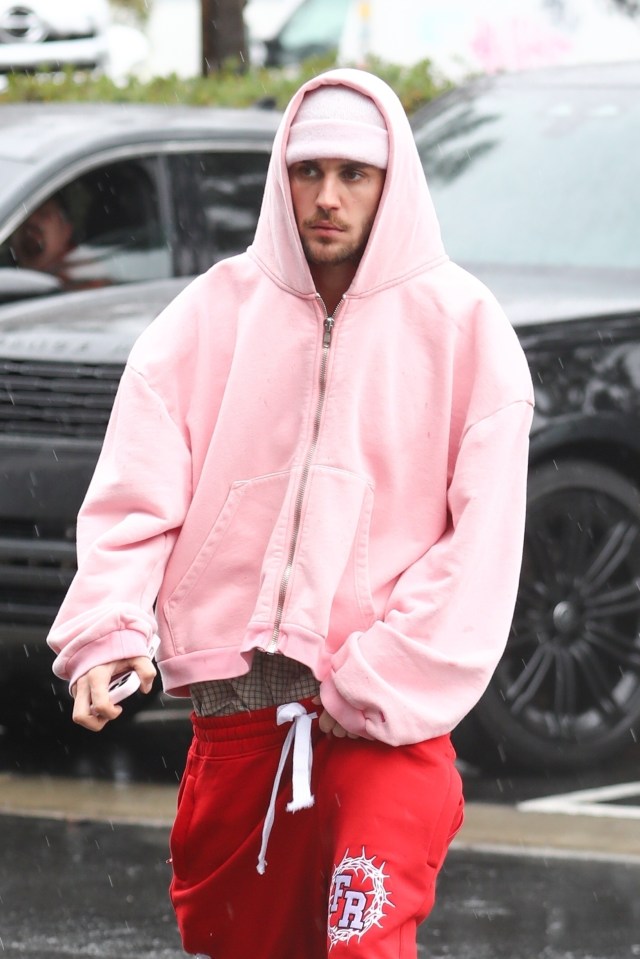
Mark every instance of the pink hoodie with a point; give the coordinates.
(354, 499)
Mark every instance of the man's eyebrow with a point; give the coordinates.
(350, 164)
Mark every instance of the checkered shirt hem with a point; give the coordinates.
(271, 681)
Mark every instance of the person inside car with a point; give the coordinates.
(47, 243)
(43, 241)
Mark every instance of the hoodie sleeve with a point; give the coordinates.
(127, 526)
(415, 674)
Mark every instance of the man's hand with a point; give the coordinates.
(331, 726)
(92, 707)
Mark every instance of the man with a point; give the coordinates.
(45, 238)
(313, 486)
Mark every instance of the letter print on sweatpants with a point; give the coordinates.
(357, 899)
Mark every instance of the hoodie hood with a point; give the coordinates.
(405, 238)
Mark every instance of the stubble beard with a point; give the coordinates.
(324, 253)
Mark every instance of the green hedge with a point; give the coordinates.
(414, 85)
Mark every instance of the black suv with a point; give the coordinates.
(535, 180)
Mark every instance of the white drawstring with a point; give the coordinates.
(300, 735)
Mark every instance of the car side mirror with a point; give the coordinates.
(19, 284)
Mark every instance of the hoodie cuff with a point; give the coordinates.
(350, 717)
(123, 644)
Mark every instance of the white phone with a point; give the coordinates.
(127, 683)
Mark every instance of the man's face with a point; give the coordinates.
(44, 238)
(335, 203)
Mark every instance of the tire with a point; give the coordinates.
(566, 693)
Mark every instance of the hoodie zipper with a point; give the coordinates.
(329, 322)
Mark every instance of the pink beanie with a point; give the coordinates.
(338, 122)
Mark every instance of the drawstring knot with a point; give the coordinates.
(300, 736)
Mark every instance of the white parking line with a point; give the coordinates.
(165, 715)
(604, 801)
(544, 852)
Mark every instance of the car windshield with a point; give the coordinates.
(316, 23)
(537, 176)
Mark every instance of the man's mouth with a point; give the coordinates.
(326, 227)
(322, 224)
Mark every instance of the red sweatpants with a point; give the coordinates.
(352, 876)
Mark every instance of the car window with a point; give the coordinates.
(102, 228)
(537, 177)
(217, 199)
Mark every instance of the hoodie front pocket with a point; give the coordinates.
(224, 576)
(329, 543)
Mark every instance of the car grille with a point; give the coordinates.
(36, 569)
(56, 399)
(21, 24)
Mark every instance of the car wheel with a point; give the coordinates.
(566, 692)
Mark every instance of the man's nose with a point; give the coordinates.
(329, 195)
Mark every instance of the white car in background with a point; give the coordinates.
(459, 36)
(53, 34)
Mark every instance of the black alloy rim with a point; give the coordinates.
(571, 671)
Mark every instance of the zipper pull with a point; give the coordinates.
(328, 329)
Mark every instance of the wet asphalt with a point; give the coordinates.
(84, 843)
(86, 889)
